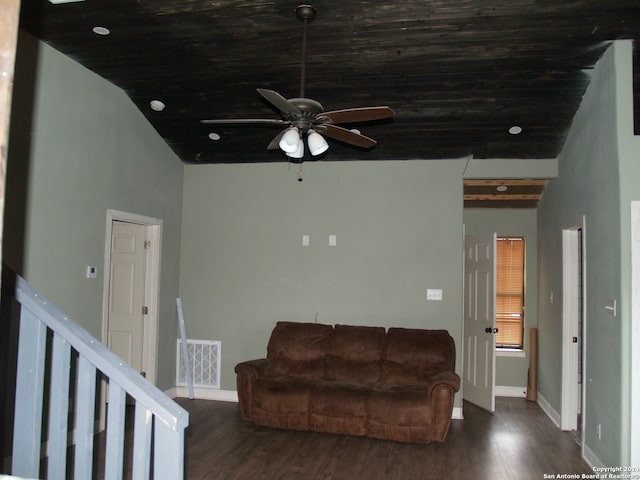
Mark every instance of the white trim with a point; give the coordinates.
(592, 459)
(549, 410)
(204, 394)
(456, 414)
(634, 374)
(513, 353)
(570, 319)
(583, 406)
(509, 391)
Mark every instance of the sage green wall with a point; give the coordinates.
(592, 182)
(512, 371)
(243, 266)
(629, 171)
(78, 147)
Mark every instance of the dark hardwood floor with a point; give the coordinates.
(518, 441)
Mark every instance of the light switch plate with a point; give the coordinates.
(92, 272)
(434, 294)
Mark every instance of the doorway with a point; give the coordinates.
(573, 331)
(131, 289)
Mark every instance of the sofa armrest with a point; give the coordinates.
(253, 368)
(246, 373)
(449, 379)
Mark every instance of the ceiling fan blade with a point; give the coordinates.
(347, 136)
(365, 114)
(244, 121)
(278, 101)
(275, 143)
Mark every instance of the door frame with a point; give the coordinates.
(152, 284)
(634, 428)
(570, 308)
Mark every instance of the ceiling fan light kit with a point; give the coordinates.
(317, 144)
(299, 152)
(289, 141)
(307, 116)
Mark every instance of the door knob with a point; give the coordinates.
(491, 330)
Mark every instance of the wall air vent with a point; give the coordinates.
(204, 358)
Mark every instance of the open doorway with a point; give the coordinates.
(573, 331)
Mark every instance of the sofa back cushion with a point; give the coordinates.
(298, 349)
(412, 356)
(355, 353)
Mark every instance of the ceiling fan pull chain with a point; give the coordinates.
(300, 172)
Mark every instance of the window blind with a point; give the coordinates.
(509, 292)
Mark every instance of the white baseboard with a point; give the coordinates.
(549, 410)
(587, 454)
(591, 458)
(457, 413)
(204, 394)
(508, 391)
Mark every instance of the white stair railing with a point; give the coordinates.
(159, 423)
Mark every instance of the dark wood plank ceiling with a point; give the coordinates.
(503, 193)
(458, 73)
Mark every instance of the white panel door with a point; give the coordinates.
(126, 292)
(479, 321)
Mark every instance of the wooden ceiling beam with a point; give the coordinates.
(501, 197)
(507, 182)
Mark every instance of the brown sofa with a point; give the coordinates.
(355, 380)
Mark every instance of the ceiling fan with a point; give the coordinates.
(304, 116)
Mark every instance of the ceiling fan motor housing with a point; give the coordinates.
(309, 111)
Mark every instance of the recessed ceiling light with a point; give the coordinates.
(502, 188)
(157, 105)
(101, 31)
(515, 130)
(214, 136)
(355, 130)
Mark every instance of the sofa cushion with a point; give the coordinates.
(400, 413)
(282, 402)
(338, 407)
(298, 349)
(355, 353)
(413, 356)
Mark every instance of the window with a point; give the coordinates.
(510, 292)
